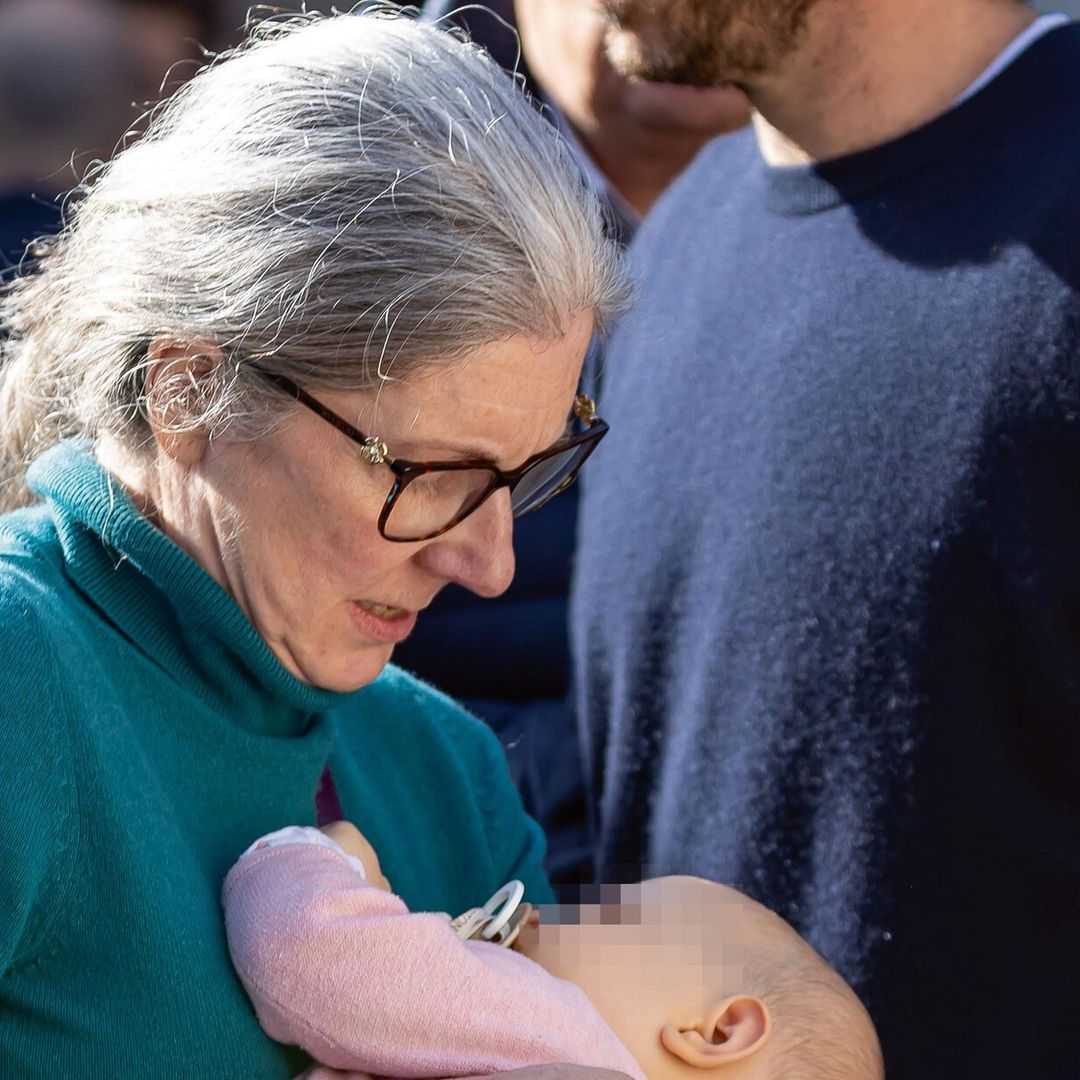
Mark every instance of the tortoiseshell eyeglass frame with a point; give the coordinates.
(376, 452)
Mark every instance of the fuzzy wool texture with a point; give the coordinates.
(826, 604)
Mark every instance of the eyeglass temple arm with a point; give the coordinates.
(374, 449)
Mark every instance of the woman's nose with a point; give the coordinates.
(479, 552)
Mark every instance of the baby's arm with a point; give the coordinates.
(341, 968)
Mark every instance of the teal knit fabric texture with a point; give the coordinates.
(148, 736)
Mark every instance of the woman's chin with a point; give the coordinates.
(342, 672)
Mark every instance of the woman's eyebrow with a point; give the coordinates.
(468, 451)
(459, 450)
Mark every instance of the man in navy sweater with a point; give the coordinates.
(827, 601)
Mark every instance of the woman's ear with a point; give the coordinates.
(728, 1031)
(177, 383)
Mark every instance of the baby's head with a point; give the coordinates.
(695, 976)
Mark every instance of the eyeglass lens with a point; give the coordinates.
(546, 478)
(433, 500)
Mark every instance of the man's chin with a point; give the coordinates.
(633, 56)
(703, 43)
(643, 53)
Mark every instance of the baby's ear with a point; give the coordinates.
(728, 1031)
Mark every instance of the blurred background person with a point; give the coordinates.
(632, 137)
(166, 31)
(74, 76)
(508, 659)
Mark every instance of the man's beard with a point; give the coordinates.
(703, 42)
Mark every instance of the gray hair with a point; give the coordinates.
(349, 198)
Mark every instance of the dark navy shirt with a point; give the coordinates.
(826, 619)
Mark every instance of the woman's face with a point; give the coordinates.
(288, 524)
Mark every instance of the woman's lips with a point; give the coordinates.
(381, 622)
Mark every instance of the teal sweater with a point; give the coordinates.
(148, 737)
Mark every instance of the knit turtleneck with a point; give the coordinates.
(165, 603)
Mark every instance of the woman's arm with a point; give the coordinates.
(529, 1072)
(341, 968)
(36, 790)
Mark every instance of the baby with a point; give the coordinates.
(679, 975)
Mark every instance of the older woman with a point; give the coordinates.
(306, 349)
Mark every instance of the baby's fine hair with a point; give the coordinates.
(820, 1029)
(348, 198)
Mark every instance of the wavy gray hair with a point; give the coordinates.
(348, 197)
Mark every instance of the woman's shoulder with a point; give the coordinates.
(31, 557)
(412, 708)
(37, 786)
(32, 578)
(34, 607)
(412, 729)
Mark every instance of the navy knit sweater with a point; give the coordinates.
(827, 610)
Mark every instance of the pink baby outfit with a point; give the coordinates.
(342, 969)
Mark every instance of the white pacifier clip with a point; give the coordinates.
(499, 921)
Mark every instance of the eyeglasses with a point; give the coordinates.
(428, 498)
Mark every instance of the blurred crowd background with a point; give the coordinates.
(76, 74)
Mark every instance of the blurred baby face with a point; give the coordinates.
(690, 975)
(703, 42)
(664, 948)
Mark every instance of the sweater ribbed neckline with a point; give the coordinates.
(1012, 94)
(164, 602)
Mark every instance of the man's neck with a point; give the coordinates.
(640, 170)
(869, 73)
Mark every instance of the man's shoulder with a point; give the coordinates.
(1054, 61)
(1024, 166)
(722, 170)
(1031, 111)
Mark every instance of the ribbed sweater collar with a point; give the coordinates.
(1016, 94)
(165, 604)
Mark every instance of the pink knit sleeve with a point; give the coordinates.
(342, 969)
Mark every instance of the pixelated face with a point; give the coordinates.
(703, 42)
(645, 952)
